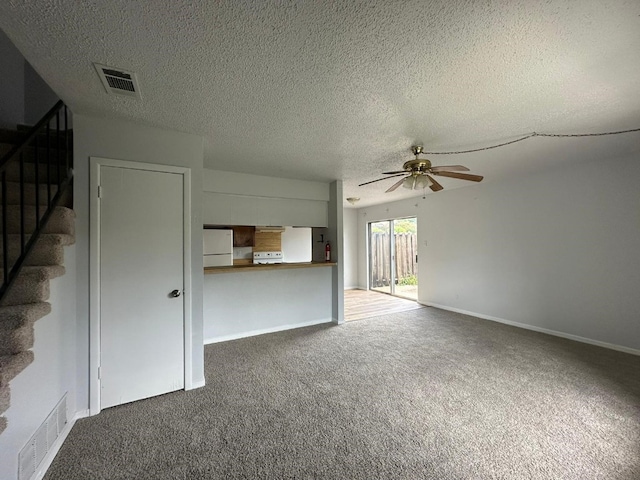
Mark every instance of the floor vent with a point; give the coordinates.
(118, 82)
(36, 449)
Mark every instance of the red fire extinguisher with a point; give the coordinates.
(327, 252)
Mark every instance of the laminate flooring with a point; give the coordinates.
(360, 304)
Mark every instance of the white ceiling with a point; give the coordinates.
(340, 90)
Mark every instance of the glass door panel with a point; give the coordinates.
(405, 258)
(380, 257)
(393, 258)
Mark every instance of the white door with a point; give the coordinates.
(141, 264)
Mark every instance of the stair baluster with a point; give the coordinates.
(64, 177)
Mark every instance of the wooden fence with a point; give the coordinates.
(405, 264)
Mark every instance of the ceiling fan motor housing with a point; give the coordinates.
(418, 165)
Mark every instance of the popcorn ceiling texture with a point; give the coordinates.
(340, 90)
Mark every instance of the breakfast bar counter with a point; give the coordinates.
(262, 267)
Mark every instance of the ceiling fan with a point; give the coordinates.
(418, 174)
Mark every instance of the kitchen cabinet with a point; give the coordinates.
(224, 209)
(244, 236)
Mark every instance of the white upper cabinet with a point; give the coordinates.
(225, 209)
(242, 199)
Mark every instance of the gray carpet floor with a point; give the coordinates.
(421, 394)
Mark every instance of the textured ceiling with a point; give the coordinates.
(340, 90)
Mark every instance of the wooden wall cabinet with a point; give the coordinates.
(244, 236)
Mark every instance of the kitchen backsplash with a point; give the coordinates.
(242, 253)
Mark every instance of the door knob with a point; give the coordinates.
(175, 293)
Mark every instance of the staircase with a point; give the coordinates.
(35, 203)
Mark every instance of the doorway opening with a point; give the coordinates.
(393, 257)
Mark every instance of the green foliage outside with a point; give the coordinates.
(410, 280)
(404, 225)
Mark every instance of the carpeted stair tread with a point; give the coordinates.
(32, 285)
(13, 173)
(39, 272)
(48, 239)
(24, 302)
(55, 156)
(26, 291)
(45, 238)
(11, 137)
(16, 340)
(13, 194)
(16, 316)
(48, 250)
(12, 365)
(5, 401)
(4, 148)
(62, 220)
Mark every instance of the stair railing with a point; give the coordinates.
(54, 163)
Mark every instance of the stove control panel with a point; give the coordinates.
(267, 257)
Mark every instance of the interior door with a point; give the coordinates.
(141, 282)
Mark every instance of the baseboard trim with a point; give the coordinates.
(262, 331)
(555, 333)
(55, 448)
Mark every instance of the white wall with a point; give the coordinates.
(119, 139)
(12, 66)
(350, 230)
(39, 98)
(556, 250)
(24, 95)
(38, 388)
(248, 303)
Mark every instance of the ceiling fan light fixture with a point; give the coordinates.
(417, 174)
(353, 200)
(409, 182)
(422, 182)
(415, 182)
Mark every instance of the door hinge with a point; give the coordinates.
(416, 258)
(99, 191)
(99, 373)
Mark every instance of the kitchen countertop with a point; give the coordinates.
(270, 266)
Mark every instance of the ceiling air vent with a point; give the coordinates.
(118, 82)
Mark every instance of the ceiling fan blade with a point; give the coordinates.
(450, 168)
(435, 186)
(393, 173)
(378, 180)
(460, 176)
(394, 186)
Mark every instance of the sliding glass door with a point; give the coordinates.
(380, 257)
(393, 257)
